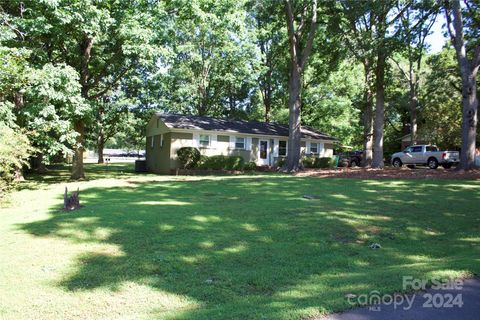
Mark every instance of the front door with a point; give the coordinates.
(263, 152)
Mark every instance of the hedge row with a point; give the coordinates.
(325, 162)
(190, 158)
(221, 162)
(313, 162)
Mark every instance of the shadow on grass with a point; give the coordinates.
(61, 173)
(253, 248)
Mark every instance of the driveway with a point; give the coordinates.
(426, 305)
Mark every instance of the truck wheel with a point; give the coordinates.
(447, 165)
(354, 164)
(397, 163)
(432, 163)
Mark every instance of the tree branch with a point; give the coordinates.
(311, 36)
(291, 31)
(476, 60)
(111, 84)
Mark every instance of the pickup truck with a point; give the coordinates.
(425, 155)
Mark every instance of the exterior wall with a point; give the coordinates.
(158, 153)
(162, 159)
(220, 145)
(178, 140)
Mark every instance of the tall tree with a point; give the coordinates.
(301, 25)
(103, 41)
(414, 27)
(211, 70)
(271, 41)
(468, 58)
(385, 14)
(356, 28)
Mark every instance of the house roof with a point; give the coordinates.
(178, 121)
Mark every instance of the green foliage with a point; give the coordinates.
(281, 161)
(211, 71)
(250, 166)
(15, 149)
(188, 157)
(321, 163)
(332, 105)
(221, 162)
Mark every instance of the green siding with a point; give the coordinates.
(158, 157)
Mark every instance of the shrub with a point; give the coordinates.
(251, 166)
(324, 162)
(309, 162)
(221, 162)
(15, 149)
(188, 157)
(281, 161)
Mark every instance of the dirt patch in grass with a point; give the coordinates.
(391, 173)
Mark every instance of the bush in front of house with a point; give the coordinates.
(188, 157)
(281, 161)
(251, 166)
(325, 162)
(321, 163)
(309, 162)
(221, 162)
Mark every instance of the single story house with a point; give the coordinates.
(260, 142)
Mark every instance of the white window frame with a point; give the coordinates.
(317, 146)
(152, 144)
(286, 148)
(244, 143)
(161, 140)
(200, 144)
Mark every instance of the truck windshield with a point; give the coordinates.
(432, 149)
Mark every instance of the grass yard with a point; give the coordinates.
(226, 247)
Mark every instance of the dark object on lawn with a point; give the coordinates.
(375, 246)
(140, 166)
(71, 202)
(309, 197)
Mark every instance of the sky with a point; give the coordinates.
(436, 40)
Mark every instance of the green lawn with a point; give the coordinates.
(226, 247)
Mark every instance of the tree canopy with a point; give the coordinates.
(86, 73)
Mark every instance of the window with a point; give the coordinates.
(204, 140)
(416, 149)
(152, 142)
(282, 148)
(313, 147)
(161, 140)
(239, 143)
(432, 149)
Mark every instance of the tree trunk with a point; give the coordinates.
(367, 117)
(413, 113)
(298, 61)
(294, 122)
(469, 124)
(79, 124)
(100, 147)
(101, 133)
(268, 106)
(468, 72)
(77, 165)
(379, 111)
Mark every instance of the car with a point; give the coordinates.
(428, 155)
(351, 159)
